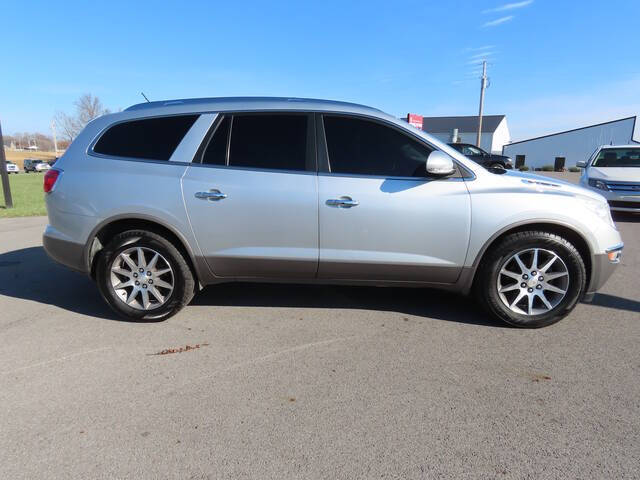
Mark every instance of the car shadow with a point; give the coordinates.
(30, 274)
(613, 301)
(420, 302)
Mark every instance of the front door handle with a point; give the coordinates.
(342, 202)
(212, 195)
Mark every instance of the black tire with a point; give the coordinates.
(486, 280)
(183, 278)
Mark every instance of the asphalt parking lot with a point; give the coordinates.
(310, 382)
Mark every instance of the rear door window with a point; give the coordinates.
(149, 138)
(261, 141)
(269, 141)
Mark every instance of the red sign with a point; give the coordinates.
(415, 120)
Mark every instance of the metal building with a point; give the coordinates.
(564, 149)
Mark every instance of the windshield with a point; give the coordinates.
(618, 157)
(470, 150)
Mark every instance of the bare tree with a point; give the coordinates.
(88, 107)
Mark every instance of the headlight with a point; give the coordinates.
(599, 184)
(601, 209)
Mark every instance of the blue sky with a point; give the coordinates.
(553, 64)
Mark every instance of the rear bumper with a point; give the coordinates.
(63, 250)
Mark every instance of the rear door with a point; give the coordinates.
(251, 196)
(381, 216)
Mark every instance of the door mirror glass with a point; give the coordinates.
(440, 164)
(581, 164)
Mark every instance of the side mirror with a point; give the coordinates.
(581, 164)
(440, 164)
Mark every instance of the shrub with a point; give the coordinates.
(523, 168)
(547, 168)
(574, 169)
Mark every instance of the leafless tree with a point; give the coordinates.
(88, 107)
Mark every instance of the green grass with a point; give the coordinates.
(28, 196)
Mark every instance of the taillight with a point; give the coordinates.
(50, 179)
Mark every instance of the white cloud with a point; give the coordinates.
(478, 49)
(509, 6)
(498, 21)
(481, 55)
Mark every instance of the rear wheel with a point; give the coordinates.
(144, 277)
(531, 279)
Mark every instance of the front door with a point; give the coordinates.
(251, 196)
(381, 216)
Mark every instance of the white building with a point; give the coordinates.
(567, 148)
(495, 131)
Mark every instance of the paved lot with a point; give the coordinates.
(310, 382)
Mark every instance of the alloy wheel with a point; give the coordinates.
(142, 278)
(533, 281)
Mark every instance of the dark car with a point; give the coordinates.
(35, 165)
(485, 159)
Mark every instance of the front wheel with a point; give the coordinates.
(531, 279)
(144, 277)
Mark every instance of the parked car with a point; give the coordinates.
(478, 155)
(31, 165)
(164, 197)
(614, 172)
(12, 167)
(52, 162)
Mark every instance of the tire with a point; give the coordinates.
(499, 269)
(497, 165)
(180, 277)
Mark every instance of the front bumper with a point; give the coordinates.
(602, 268)
(618, 201)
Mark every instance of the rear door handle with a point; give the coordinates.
(212, 195)
(342, 202)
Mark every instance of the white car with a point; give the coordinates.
(614, 172)
(12, 168)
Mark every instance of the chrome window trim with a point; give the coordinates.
(390, 177)
(251, 169)
(466, 174)
(137, 160)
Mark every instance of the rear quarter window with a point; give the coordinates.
(148, 138)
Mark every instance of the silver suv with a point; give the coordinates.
(166, 197)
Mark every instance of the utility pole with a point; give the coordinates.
(483, 87)
(55, 141)
(8, 201)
